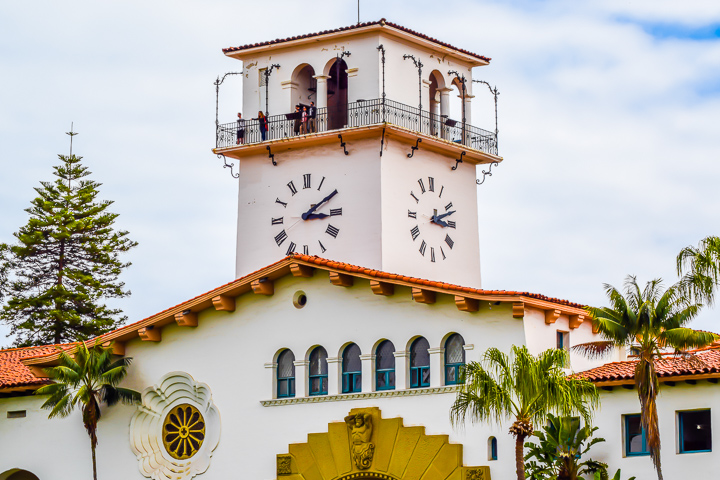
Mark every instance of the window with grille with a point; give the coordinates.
(286, 374)
(318, 375)
(351, 369)
(385, 366)
(454, 359)
(262, 78)
(419, 363)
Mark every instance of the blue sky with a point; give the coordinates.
(609, 114)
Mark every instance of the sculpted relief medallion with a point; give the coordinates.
(175, 430)
(361, 448)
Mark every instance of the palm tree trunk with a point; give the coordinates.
(92, 446)
(519, 457)
(647, 385)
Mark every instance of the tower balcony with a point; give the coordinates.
(362, 113)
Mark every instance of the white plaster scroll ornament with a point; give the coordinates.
(175, 430)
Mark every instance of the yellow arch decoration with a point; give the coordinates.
(369, 447)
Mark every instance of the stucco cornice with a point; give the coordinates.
(361, 396)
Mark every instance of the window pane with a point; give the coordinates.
(318, 362)
(358, 383)
(419, 356)
(351, 359)
(454, 352)
(450, 375)
(425, 376)
(634, 439)
(286, 367)
(695, 434)
(384, 357)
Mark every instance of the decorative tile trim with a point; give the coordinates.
(361, 396)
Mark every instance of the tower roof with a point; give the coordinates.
(367, 26)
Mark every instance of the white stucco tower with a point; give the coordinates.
(381, 177)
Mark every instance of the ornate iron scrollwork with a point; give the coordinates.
(412, 149)
(271, 156)
(458, 161)
(228, 165)
(342, 144)
(486, 174)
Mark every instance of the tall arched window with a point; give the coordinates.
(385, 366)
(454, 359)
(318, 374)
(286, 374)
(492, 448)
(419, 363)
(351, 369)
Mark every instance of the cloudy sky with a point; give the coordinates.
(609, 126)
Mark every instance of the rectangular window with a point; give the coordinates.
(635, 442)
(695, 431)
(563, 340)
(262, 80)
(318, 385)
(17, 414)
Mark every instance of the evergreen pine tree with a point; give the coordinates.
(65, 263)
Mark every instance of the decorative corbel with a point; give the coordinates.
(551, 316)
(263, 286)
(416, 147)
(118, 348)
(301, 270)
(465, 304)
(518, 310)
(224, 303)
(342, 144)
(150, 334)
(576, 321)
(486, 174)
(341, 279)
(187, 319)
(271, 155)
(423, 296)
(382, 288)
(458, 161)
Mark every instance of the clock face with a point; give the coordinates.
(307, 215)
(430, 219)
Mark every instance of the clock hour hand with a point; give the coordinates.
(306, 215)
(315, 215)
(438, 217)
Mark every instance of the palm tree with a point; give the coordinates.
(87, 379)
(648, 322)
(700, 269)
(523, 387)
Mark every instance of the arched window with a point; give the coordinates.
(419, 363)
(385, 366)
(351, 369)
(318, 375)
(492, 448)
(454, 359)
(286, 374)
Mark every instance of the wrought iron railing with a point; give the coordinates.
(360, 113)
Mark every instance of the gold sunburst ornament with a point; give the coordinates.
(183, 431)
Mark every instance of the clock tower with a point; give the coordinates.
(347, 151)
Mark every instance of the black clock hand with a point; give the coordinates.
(316, 215)
(315, 207)
(438, 217)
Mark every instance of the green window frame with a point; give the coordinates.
(634, 433)
(695, 431)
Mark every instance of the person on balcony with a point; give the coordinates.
(263, 122)
(240, 129)
(298, 120)
(312, 114)
(304, 120)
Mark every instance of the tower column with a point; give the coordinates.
(368, 362)
(321, 93)
(436, 366)
(444, 110)
(301, 384)
(334, 373)
(272, 370)
(401, 369)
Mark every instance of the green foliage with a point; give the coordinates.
(64, 264)
(91, 377)
(700, 270)
(560, 448)
(604, 476)
(523, 387)
(647, 321)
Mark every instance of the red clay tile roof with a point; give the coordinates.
(382, 22)
(666, 367)
(14, 374)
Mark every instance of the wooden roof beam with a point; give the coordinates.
(382, 288)
(224, 303)
(421, 295)
(466, 304)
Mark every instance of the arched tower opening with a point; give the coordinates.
(337, 95)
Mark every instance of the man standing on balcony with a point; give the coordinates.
(240, 129)
(312, 113)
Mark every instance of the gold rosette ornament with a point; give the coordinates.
(183, 431)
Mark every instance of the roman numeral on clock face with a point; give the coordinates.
(335, 212)
(416, 198)
(441, 190)
(280, 238)
(451, 224)
(448, 206)
(322, 247)
(431, 184)
(277, 221)
(306, 250)
(291, 248)
(422, 186)
(415, 232)
(449, 241)
(306, 180)
(332, 231)
(443, 253)
(292, 188)
(277, 200)
(423, 246)
(321, 182)
(412, 214)
(432, 254)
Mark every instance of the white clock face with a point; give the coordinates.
(430, 219)
(307, 215)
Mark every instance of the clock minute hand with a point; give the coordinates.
(315, 207)
(316, 215)
(438, 217)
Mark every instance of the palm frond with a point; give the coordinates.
(595, 350)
